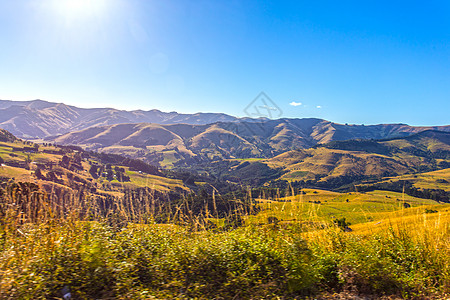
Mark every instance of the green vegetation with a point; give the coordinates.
(104, 226)
(295, 174)
(169, 158)
(430, 180)
(155, 182)
(200, 251)
(324, 207)
(407, 187)
(97, 260)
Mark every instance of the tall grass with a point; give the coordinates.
(42, 251)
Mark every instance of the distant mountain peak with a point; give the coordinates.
(34, 119)
(40, 119)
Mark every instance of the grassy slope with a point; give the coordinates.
(22, 174)
(391, 250)
(368, 158)
(399, 252)
(360, 207)
(154, 182)
(429, 180)
(333, 163)
(415, 219)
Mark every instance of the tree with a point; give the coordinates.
(93, 170)
(39, 174)
(342, 224)
(109, 175)
(65, 161)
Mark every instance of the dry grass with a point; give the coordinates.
(326, 206)
(122, 255)
(155, 182)
(429, 180)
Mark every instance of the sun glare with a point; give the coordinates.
(79, 8)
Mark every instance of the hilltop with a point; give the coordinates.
(6, 136)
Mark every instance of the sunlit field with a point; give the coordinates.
(319, 205)
(292, 248)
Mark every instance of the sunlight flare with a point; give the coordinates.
(79, 8)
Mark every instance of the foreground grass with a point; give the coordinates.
(97, 261)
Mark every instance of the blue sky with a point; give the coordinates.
(345, 61)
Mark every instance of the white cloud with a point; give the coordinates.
(293, 103)
(318, 106)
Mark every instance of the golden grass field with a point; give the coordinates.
(439, 179)
(355, 207)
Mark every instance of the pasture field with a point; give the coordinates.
(439, 179)
(155, 182)
(326, 206)
(21, 166)
(13, 172)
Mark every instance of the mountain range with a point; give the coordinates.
(332, 165)
(184, 144)
(38, 118)
(179, 140)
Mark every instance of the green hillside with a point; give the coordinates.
(178, 145)
(71, 168)
(366, 159)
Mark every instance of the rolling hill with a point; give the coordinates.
(424, 151)
(183, 144)
(39, 119)
(343, 165)
(60, 170)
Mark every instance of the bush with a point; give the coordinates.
(97, 261)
